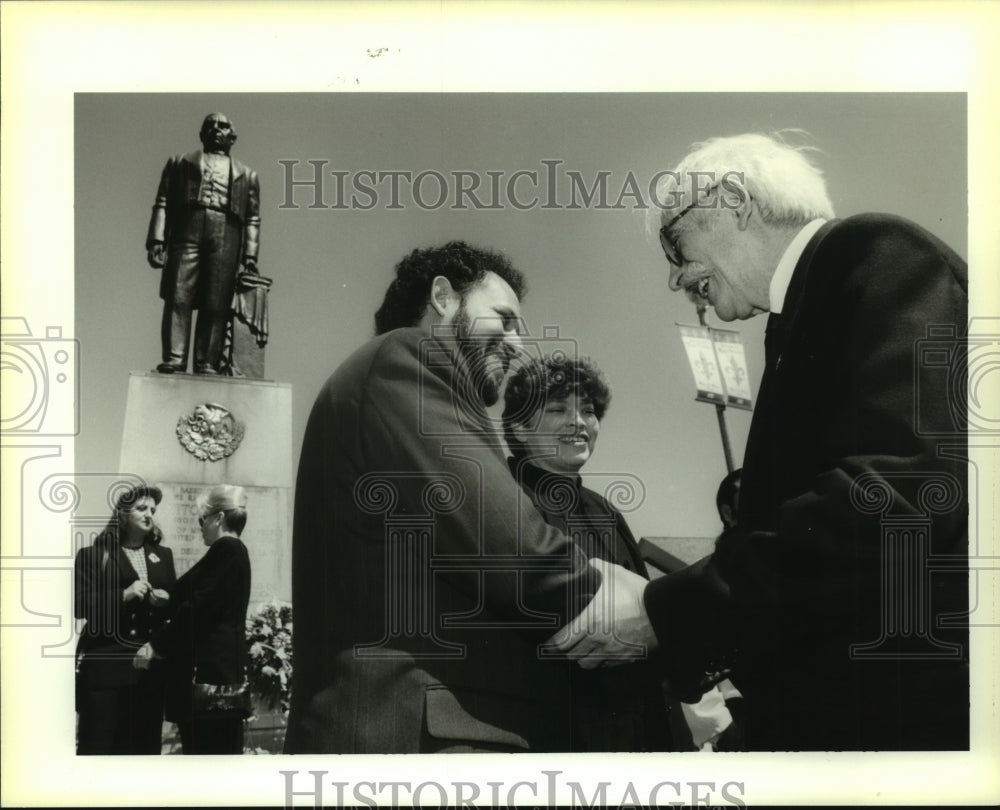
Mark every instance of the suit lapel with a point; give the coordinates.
(795, 298)
(127, 573)
(774, 340)
(778, 338)
(781, 326)
(154, 569)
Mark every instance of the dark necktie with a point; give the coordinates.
(774, 340)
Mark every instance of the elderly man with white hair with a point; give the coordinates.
(854, 477)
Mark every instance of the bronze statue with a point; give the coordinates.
(205, 225)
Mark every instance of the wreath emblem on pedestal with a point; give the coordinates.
(211, 433)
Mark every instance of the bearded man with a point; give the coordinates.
(424, 587)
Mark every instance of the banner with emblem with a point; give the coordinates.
(733, 367)
(719, 365)
(704, 364)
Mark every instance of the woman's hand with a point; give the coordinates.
(137, 590)
(158, 597)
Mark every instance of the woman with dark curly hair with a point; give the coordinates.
(122, 587)
(553, 408)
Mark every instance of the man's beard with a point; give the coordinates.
(486, 359)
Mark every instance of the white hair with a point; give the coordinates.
(229, 499)
(779, 177)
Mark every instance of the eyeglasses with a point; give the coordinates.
(203, 518)
(670, 247)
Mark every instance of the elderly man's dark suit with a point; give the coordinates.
(855, 453)
(422, 584)
(204, 249)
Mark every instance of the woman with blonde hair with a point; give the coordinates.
(205, 640)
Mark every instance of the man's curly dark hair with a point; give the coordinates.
(463, 265)
(552, 377)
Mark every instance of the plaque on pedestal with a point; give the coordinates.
(188, 433)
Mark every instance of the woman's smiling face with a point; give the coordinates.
(562, 436)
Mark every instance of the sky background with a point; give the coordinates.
(594, 274)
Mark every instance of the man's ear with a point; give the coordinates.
(744, 210)
(733, 195)
(726, 513)
(444, 300)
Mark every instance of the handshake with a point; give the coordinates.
(614, 628)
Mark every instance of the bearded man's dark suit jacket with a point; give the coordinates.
(422, 585)
(856, 448)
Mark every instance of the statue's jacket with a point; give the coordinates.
(180, 184)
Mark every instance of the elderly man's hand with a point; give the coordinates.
(137, 590)
(613, 628)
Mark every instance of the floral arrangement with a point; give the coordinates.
(269, 636)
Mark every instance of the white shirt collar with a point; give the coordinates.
(783, 273)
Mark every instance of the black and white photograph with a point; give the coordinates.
(305, 370)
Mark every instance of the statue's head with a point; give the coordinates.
(217, 134)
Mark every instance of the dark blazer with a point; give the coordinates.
(854, 470)
(114, 630)
(621, 708)
(207, 629)
(422, 584)
(180, 183)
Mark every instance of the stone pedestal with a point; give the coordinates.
(187, 433)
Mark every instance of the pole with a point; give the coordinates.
(720, 409)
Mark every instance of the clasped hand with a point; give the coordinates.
(137, 590)
(140, 589)
(613, 628)
(158, 597)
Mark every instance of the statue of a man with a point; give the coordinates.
(205, 224)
